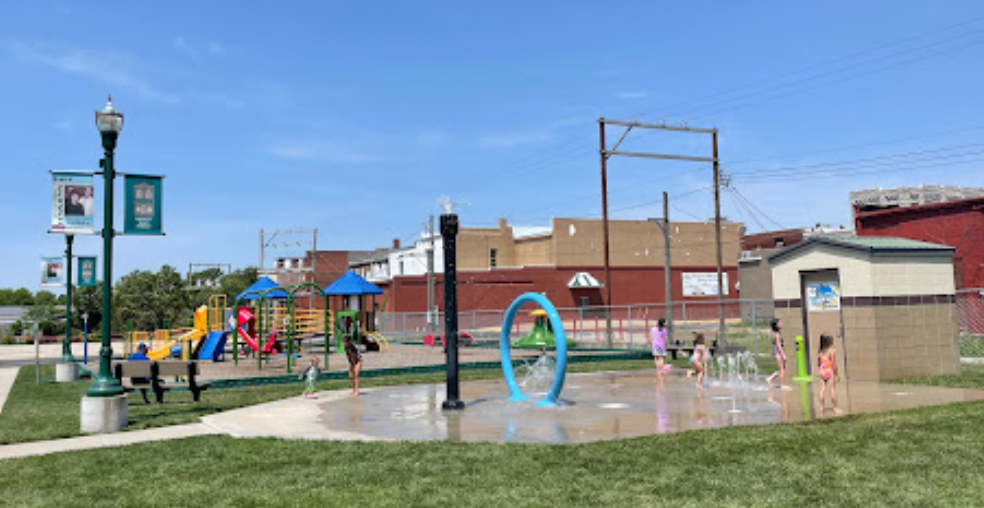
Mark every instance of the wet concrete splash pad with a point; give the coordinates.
(594, 407)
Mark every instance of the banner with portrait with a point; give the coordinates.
(53, 271)
(72, 202)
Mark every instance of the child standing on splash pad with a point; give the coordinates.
(779, 353)
(659, 335)
(698, 360)
(355, 364)
(827, 360)
(310, 377)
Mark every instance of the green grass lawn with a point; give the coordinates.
(922, 457)
(51, 410)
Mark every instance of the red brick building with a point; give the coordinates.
(495, 265)
(959, 224)
(496, 289)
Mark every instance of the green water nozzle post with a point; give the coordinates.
(802, 372)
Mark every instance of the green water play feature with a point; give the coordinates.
(542, 336)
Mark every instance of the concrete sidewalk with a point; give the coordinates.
(7, 377)
(105, 440)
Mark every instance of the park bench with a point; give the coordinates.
(687, 346)
(151, 375)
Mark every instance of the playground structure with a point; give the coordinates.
(276, 329)
(542, 335)
(353, 321)
(204, 341)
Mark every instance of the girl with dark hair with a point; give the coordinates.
(659, 335)
(698, 360)
(827, 360)
(779, 353)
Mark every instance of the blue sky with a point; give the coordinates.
(354, 117)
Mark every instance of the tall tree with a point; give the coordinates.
(45, 298)
(152, 300)
(23, 297)
(87, 299)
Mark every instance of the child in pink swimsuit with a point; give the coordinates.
(827, 360)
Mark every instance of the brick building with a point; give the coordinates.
(959, 224)
(495, 265)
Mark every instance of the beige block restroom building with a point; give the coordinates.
(888, 303)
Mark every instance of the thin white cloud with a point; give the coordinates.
(539, 134)
(336, 151)
(108, 68)
(364, 148)
(628, 95)
(216, 48)
(195, 50)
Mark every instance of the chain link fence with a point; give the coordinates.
(746, 324)
(588, 326)
(970, 322)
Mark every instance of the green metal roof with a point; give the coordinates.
(873, 244)
(888, 242)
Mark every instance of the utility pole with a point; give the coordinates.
(667, 266)
(717, 239)
(604, 215)
(605, 153)
(431, 315)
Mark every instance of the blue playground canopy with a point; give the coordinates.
(352, 284)
(260, 285)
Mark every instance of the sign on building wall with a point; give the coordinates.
(87, 271)
(143, 205)
(823, 296)
(703, 284)
(53, 271)
(72, 202)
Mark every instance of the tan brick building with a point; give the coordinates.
(497, 264)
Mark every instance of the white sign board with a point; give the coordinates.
(823, 296)
(703, 284)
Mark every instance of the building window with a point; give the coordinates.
(401, 267)
(493, 255)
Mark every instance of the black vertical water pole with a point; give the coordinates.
(449, 231)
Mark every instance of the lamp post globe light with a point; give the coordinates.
(109, 121)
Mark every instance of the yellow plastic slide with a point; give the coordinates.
(165, 351)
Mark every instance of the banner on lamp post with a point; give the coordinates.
(87, 271)
(72, 202)
(53, 271)
(143, 205)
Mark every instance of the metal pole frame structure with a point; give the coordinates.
(312, 243)
(290, 309)
(606, 153)
(258, 316)
(667, 265)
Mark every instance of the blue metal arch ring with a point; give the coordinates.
(559, 338)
